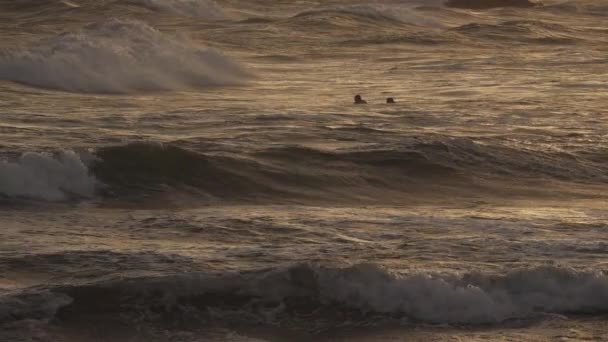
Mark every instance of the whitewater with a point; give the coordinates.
(196, 170)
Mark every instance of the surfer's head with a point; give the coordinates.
(359, 100)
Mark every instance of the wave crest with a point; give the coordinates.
(47, 177)
(305, 292)
(118, 56)
(382, 172)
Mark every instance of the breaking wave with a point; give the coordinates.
(118, 56)
(303, 293)
(45, 176)
(291, 172)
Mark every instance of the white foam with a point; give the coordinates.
(118, 56)
(473, 298)
(202, 9)
(46, 177)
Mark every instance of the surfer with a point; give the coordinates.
(359, 100)
(390, 100)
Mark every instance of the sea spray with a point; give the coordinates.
(46, 176)
(357, 291)
(118, 56)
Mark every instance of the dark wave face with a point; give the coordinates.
(413, 166)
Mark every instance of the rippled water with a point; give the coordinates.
(191, 170)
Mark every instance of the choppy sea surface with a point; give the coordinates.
(189, 170)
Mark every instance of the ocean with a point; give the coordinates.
(196, 170)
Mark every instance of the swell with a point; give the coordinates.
(383, 172)
(523, 31)
(424, 26)
(416, 165)
(309, 294)
(359, 24)
(154, 167)
(357, 13)
(274, 174)
(416, 38)
(585, 7)
(270, 175)
(376, 16)
(487, 4)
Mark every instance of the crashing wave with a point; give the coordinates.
(311, 292)
(118, 56)
(266, 175)
(291, 172)
(47, 177)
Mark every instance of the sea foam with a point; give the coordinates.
(118, 56)
(44, 176)
(471, 298)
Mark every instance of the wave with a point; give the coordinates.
(456, 155)
(377, 173)
(368, 12)
(201, 9)
(290, 173)
(296, 170)
(137, 167)
(293, 173)
(307, 293)
(118, 56)
(528, 31)
(487, 4)
(416, 38)
(36, 5)
(390, 15)
(589, 7)
(46, 176)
